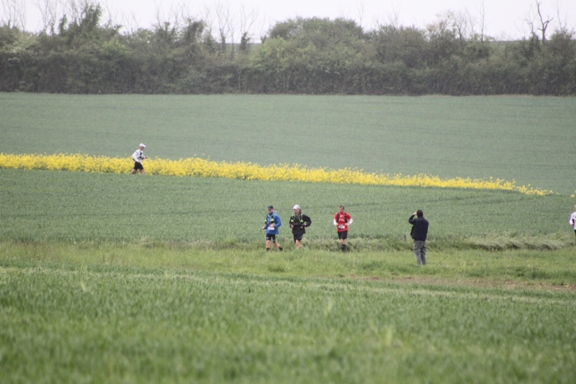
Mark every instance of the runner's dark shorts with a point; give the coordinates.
(138, 165)
(298, 236)
(343, 235)
(271, 237)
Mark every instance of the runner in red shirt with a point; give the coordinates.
(342, 220)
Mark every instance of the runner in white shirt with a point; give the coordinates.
(139, 157)
(572, 220)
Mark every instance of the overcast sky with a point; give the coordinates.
(503, 19)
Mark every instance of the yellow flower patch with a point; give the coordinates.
(198, 167)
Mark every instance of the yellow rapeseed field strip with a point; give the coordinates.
(198, 167)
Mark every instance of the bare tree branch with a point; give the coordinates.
(14, 12)
(543, 23)
(360, 9)
(225, 22)
(562, 20)
(247, 21)
(49, 12)
(482, 22)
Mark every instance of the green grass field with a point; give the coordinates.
(67, 206)
(119, 278)
(65, 320)
(527, 139)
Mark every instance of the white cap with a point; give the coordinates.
(296, 207)
(142, 145)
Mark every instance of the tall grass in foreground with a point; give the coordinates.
(198, 167)
(519, 268)
(70, 322)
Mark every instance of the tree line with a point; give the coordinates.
(296, 56)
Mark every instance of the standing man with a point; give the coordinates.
(139, 157)
(342, 220)
(271, 225)
(298, 223)
(419, 233)
(572, 220)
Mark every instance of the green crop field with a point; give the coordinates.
(113, 324)
(67, 206)
(118, 278)
(99, 321)
(527, 139)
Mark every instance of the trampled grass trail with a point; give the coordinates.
(198, 167)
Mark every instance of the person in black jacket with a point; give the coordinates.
(419, 233)
(298, 223)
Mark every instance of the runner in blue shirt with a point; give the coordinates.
(271, 225)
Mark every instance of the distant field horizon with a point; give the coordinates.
(516, 138)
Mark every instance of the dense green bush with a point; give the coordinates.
(297, 56)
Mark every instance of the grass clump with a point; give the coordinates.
(520, 266)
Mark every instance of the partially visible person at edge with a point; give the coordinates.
(139, 157)
(271, 225)
(298, 223)
(572, 220)
(419, 233)
(342, 220)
